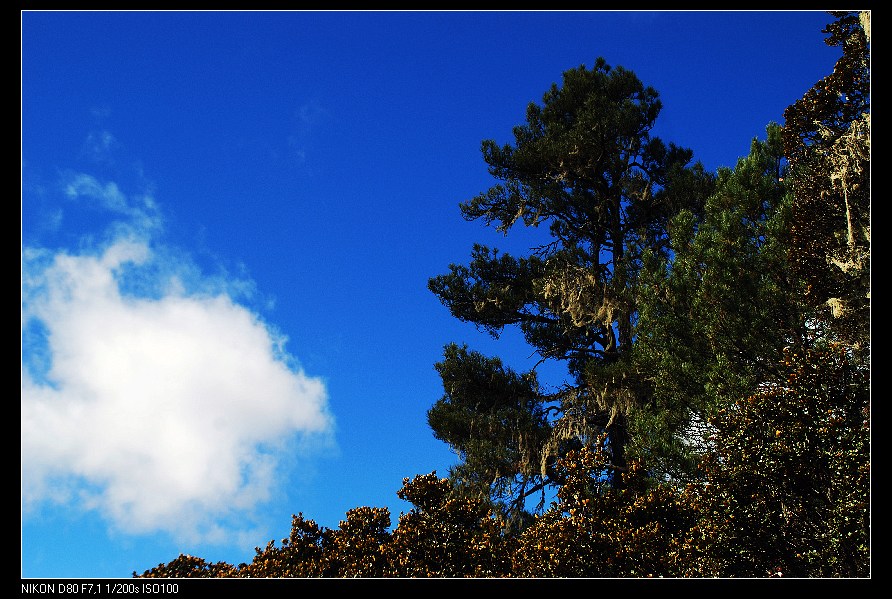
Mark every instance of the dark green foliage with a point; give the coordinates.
(585, 164)
(493, 291)
(496, 422)
(713, 317)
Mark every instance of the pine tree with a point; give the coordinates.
(715, 316)
(585, 165)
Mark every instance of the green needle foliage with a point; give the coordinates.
(585, 165)
(714, 316)
(495, 419)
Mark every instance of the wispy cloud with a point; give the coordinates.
(149, 393)
(139, 212)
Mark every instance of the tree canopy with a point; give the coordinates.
(716, 336)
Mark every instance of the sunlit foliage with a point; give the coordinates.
(598, 530)
(827, 141)
(787, 487)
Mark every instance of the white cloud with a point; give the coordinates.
(165, 410)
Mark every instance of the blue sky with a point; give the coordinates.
(228, 224)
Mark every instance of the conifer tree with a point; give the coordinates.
(586, 166)
(714, 318)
